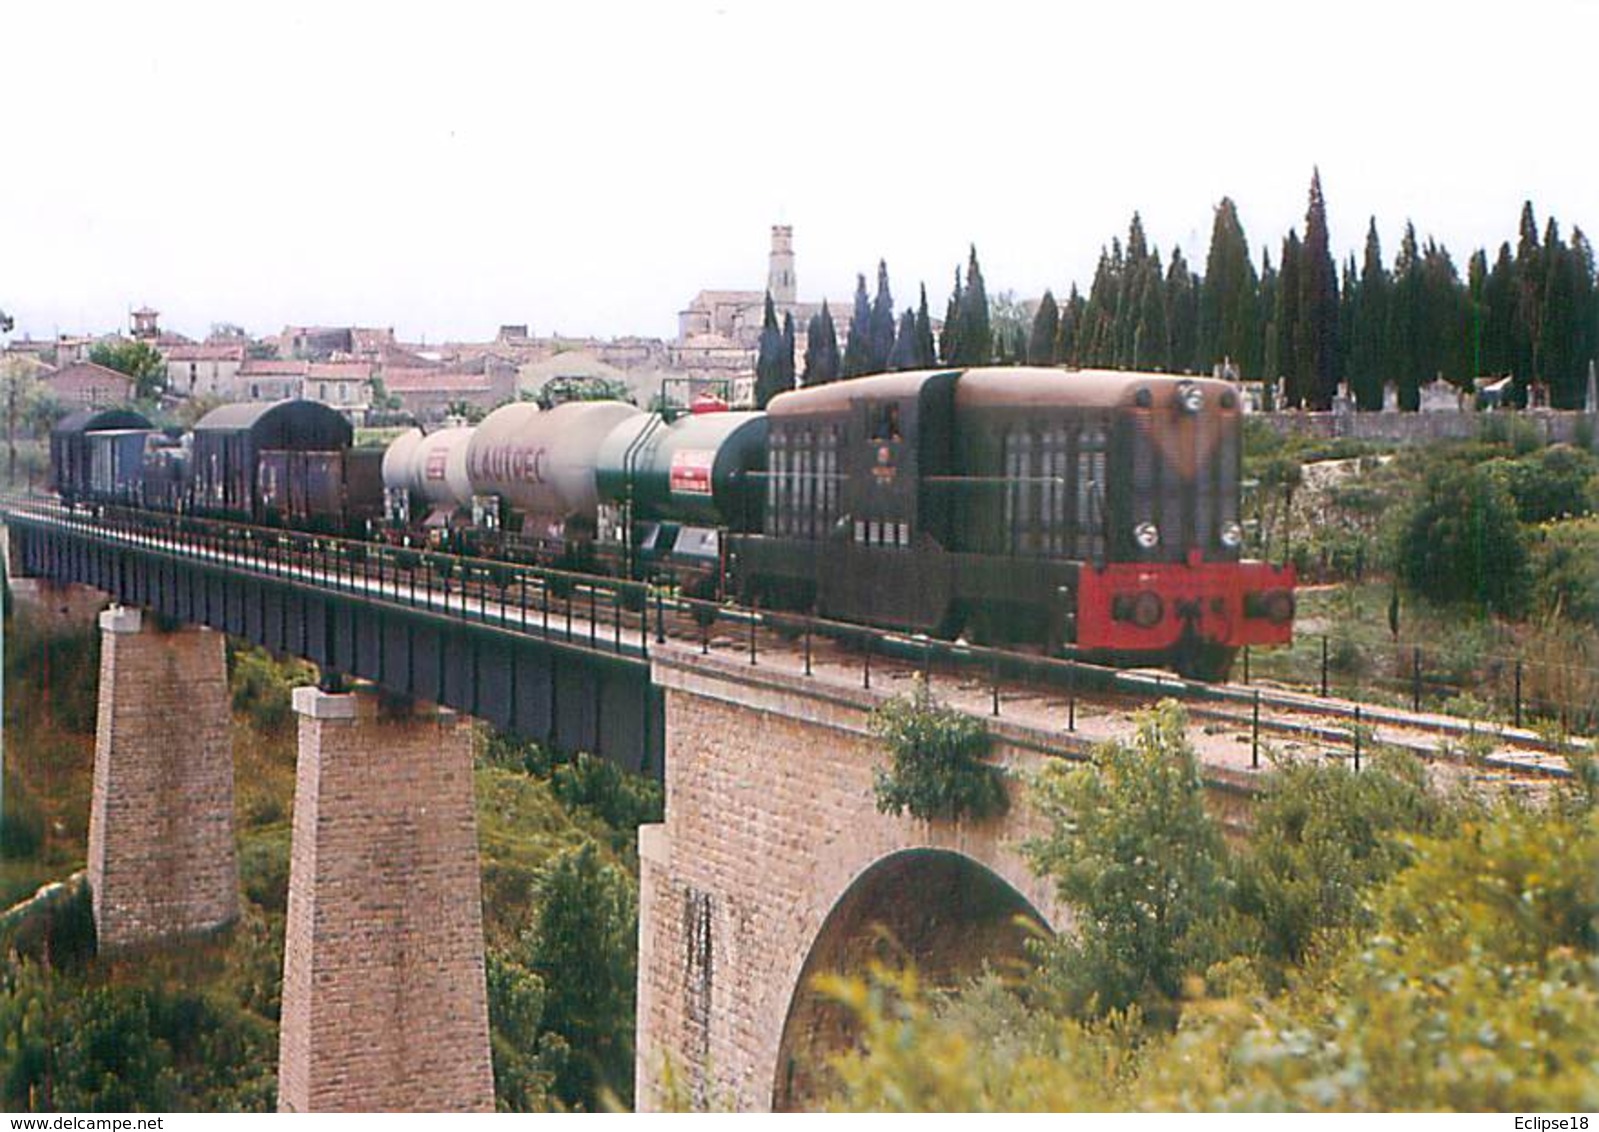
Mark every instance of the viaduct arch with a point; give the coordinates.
(773, 865)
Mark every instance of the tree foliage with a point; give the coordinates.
(936, 770)
(139, 360)
(1459, 540)
(822, 363)
(1132, 849)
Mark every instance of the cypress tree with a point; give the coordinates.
(1097, 331)
(1316, 336)
(1270, 364)
(768, 361)
(1348, 296)
(1499, 317)
(1558, 327)
(786, 356)
(926, 354)
(1046, 325)
(881, 338)
(822, 364)
(903, 356)
(976, 340)
(1229, 325)
(1289, 296)
(1369, 326)
(1071, 321)
(1444, 339)
(1149, 345)
(1530, 280)
(1585, 336)
(1404, 323)
(858, 349)
(949, 347)
(1477, 305)
(1182, 315)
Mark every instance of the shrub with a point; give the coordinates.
(1133, 851)
(937, 770)
(1459, 541)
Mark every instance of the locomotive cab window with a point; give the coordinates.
(882, 421)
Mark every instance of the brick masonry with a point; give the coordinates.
(162, 862)
(770, 821)
(384, 1003)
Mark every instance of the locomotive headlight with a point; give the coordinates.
(1147, 535)
(1232, 536)
(1191, 397)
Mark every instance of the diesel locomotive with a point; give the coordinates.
(1084, 509)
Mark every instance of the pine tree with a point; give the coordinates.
(768, 361)
(926, 353)
(822, 364)
(1286, 318)
(1046, 325)
(904, 356)
(1368, 357)
(881, 336)
(858, 348)
(1316, 335)
(1229, 299)
(1182, 315)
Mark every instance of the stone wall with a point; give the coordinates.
(1551, 426)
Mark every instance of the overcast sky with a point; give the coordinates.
(586, 168)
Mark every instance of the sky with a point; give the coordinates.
(586, 168)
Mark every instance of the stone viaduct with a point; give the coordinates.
(772, 865)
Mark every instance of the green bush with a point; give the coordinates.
(1459, 541)
(1133, 851)
(1550, 483)
(936, 772)
(1565, 570)
(263, 688)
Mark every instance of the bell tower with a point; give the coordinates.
(780, 274)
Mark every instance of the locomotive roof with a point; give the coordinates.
(837, 395)
(295, 423)
(1024, 386)
(996, 386)
(99, 420)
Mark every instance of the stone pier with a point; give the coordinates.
(384, 1002)
(162, 861)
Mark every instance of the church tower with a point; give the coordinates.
(780, 275)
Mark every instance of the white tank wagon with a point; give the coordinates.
(428, 471)
(541, 466)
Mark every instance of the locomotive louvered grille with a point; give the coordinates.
(1204, 480)
(1227, 464)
